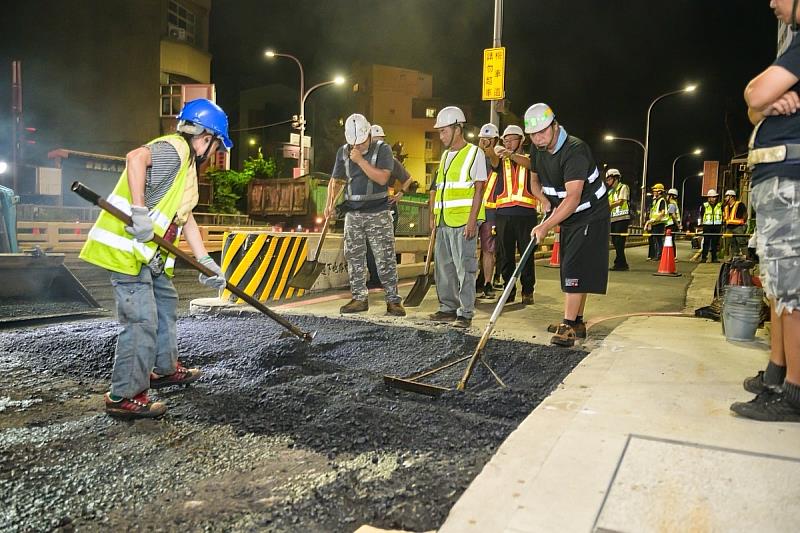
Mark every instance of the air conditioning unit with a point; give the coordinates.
(177, 33)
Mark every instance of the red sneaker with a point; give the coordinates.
(139, 406)
(182, 376)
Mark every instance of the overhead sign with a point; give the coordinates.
(494, 73)
(294, 138)
(710, 175)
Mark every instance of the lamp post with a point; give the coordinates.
(682, 188)
(301, 119)
(687, 89)
(696, 151)
(609, 138)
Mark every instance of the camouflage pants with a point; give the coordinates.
(378, 229)
(777, 205)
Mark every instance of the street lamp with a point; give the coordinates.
(338, 80)
(687, 89)
(609, 138)
(682, 189)
(696, 151)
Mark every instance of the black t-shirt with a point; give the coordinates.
(781, 129)
(572, 162)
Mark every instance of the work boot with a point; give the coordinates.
(527, 299)
(139, 406)
(355, 306)
(565, 336)
(488, 291)
(512, 296)
(620, 268)
(769, 406)
(462, 322)
(443, 316)
(182, 376)
(771, 378)
(395, 309)
(755, 384)
(580, 329)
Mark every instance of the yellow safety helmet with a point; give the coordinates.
(657, 187)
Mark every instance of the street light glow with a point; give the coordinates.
(3, 167)
(608, 138)
(690, 88)
(270, 53)
(698, 151)
(252, 141)
(338, 80)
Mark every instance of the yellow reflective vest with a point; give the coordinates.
(712, 215)
(489, 198)
(109, 246)
(622, 211)
(455, 188)
(658, 212)
(671, 221)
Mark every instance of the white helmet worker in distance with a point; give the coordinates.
(356, 129)
(712, 193)
(730, 192)
(489, 131)
(539, 122)
(673, 192)
(512, 140)
(450, 123)
(377, 132)
(613, 173)
(513, 129)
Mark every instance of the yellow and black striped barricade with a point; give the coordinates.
(261, 263)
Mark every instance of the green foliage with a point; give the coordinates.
(230, 186)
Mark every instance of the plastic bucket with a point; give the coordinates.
(741, 312)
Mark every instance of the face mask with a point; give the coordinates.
(200, 159)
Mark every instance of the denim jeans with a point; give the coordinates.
(147, 310)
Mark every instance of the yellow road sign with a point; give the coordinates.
(494, 73)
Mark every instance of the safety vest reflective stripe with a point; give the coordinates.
(551, 191)
(489, 200)
(370, 189)
(712, 215)
(671, 221)
(729, 214)
(455, 189)
(109, 246)
(598, 194)
(658, 212)
(613, 196)
(515, 187)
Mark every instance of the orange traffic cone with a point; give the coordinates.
(77, 230)
(667, 265)
(35, 230)
(554, 261)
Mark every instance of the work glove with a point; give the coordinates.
(215, 282)
(142, 227)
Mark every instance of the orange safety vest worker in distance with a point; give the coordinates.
(489, 197)
(729, 214)
(516, 187)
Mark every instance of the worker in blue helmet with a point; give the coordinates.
(158, 189)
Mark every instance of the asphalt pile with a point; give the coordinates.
(277, 436)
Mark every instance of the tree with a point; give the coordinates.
(230, 186)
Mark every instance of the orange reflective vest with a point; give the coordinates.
(489, 197)
(515, 187)
(729, 214)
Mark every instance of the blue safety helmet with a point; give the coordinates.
(209, 116)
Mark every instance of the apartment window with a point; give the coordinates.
(171, 100)
(430, 112)
(181, 22)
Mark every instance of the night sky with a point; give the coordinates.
(598, 63)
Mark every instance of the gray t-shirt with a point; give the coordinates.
(161, 175)
(382, 154)
(399, 173)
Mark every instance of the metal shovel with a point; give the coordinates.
(88, 194)
(424, 280)
(310, 270)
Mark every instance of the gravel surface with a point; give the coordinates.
(277, 436)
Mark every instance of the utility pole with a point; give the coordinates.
(496, 43)
(16, 119)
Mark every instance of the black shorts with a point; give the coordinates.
(584, 257)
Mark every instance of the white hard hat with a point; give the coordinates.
(513, 129)
(538, 117)
(673, 192)
(612, 172)
(730, 192)
(712, 192)
(488, 131)
(377, 131)
(449, 116)
(356, 129)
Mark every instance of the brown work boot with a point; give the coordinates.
(354, 306)
(565, 336)
(462, 322)
(139, 406)
(395, 309)
(442, 316)
(580, 329)
(527, 299)
(182, 376)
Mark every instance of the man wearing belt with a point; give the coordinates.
(712, 224)
(364, 168)
(658, 220)
(773, 102)
(159, 190)
(457, 206)
(564, 173)
(734, 215)
(619, 195)
(516, 211)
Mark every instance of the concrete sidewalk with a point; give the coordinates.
(640, 438)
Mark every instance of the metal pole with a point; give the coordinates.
(496, 40)
(16, 120)
(672, 183)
